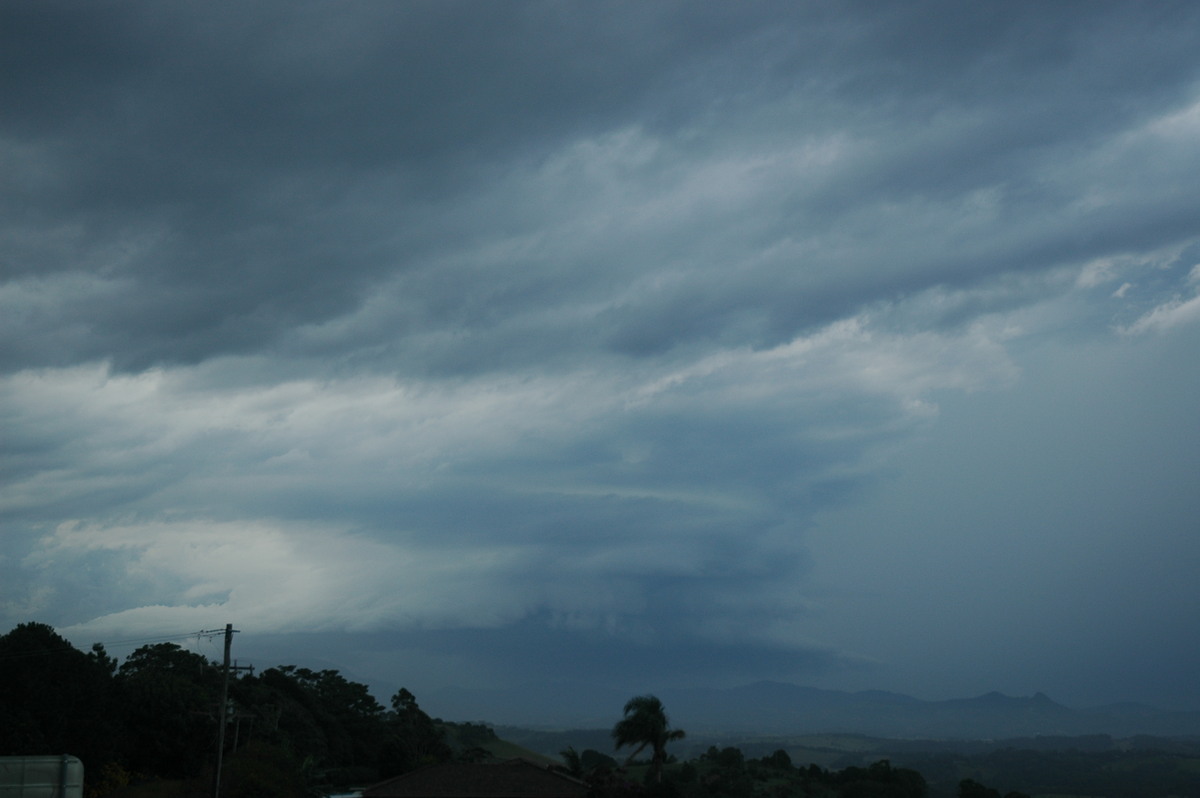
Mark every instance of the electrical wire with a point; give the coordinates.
(209, 633)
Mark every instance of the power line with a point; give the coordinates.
(209, 633)
(164, 639)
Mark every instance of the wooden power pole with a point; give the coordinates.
(223, 709)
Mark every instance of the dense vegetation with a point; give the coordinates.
(292, 732)
(1095, 766)
(726, 773)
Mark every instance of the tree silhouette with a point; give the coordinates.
(169, 699)
(646, 725)
(55, 698)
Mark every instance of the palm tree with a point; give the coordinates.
(645, 725)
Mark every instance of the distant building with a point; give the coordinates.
(515, 778)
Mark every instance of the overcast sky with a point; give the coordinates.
(653, 343)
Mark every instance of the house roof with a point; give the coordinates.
(515, 778)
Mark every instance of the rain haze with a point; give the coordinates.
(855, 345)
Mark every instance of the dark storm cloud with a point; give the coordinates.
(590, 656)
(227, 175)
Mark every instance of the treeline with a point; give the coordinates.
(289, 731)
(1162, 768)
(727, 773)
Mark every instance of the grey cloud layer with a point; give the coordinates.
(455, 320)
(632, 180)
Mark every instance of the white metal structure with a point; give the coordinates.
(41, 777)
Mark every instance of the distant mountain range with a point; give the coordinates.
(776, 708)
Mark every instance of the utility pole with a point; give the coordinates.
(223, 709)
